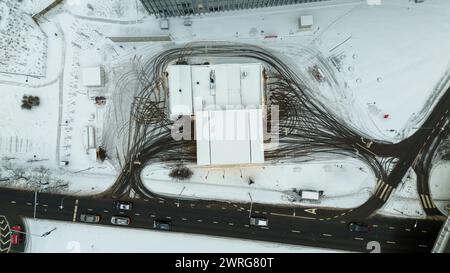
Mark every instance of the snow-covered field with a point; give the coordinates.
(346, 182)
(76, 238)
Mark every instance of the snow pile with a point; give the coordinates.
(82, 238)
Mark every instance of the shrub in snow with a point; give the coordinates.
(29, 101)
(181, 172)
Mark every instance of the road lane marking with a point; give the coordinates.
(230, 224)
(424, 204)
(215, 222)
(391, 242)
(247, 226)
(184, 219)
(168, 217)
(295, 231)
(75, 209)
(88, 209)
(359, 239)
(161, 201)
(391, 228)
(384, 191)
(105, 211)
(407, 229)
(388, 193)
(292, 216)
(199, 220)
(424, 231)
(264, 228)
(327, 235)
(311, 211)
(137, 214)
(423, 246)
(430, 201)
(29, 204)
(13, 202)
(153, 216)
(374, 225)
(379, 183)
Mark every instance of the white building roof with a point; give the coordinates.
(229, 137)
(212, 87)
(306, 21)
(92, 76)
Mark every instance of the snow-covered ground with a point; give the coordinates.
(440, 186)
(76, 238)
(346, 183)
(404, 200)
(381, 56)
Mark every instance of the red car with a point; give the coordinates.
(16, 237)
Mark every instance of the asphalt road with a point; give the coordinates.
(202, 217)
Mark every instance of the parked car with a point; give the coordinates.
(259, 221)
(162, 224)
(358, 227)
(16, 236)
(120, 220)
(89, 218)
(123, 205)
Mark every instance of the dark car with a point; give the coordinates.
(162, 225)
(358, 227)
(123, 205)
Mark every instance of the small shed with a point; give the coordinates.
(306, 21)
(93, 76)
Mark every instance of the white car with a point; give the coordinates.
(123, 205)
(259, 221)
(120, 220)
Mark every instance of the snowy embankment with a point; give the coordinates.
(346, 183)
(440, 186)
(76, 238)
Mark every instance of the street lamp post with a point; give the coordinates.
(178, 199)
(42, 235)
(35, 203)
(251, 205)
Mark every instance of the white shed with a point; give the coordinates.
(93, 76)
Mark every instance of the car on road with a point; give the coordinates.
(162, 224)
(358, 227)
(123, 205)
(89, 218)
(16, 236)
(120, 220)
(259, 221)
